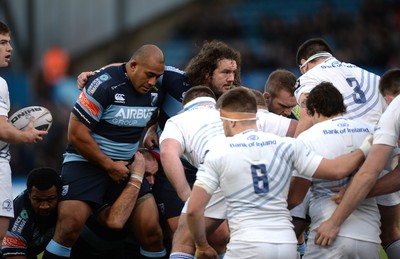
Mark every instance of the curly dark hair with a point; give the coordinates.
(325, 99)
(201, 67)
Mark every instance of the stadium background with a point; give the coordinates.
(92, 33)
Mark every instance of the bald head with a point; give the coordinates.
(147, 52)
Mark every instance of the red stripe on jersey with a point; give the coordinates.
(13, 242)
(89, 105)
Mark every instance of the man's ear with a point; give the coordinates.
(267, 97)
(132, 65)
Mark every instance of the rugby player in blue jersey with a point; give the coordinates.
(105, 126)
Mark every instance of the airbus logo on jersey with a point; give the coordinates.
(135, 113)
(119, 98)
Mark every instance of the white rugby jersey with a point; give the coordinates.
(333, 138)
(388, 131)
(358, 86)
(193, 128)
(4, 110)
(253, 169)
(272, 123)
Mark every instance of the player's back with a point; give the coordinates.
(358, 86)
(333, 138)
(193, 129)
(254, 170)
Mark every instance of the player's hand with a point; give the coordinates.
(32, 134)
(119, 171)
(337, 198)
(206, 252)
(138, 165)
(83, 78)
(326, 233)
(150, 139)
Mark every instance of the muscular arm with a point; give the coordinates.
(79, 136)
(305, 121)
(361, 184)
(387, 184)
(171, 152)
(340, 167)
(116, 216)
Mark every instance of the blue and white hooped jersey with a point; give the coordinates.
(115, 113)
(358, 86)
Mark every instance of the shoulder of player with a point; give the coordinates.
(2, 81)
(172, 70)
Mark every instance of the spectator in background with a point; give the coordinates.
(62, 87)
(9, 135)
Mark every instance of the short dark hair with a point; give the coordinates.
(4, 29)
(201, 66)
(325, 99)
(239, 99)
(280, 79)
(389, 84)
(43, 178)
(259, 98)
(197, 91)
(311, 47)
